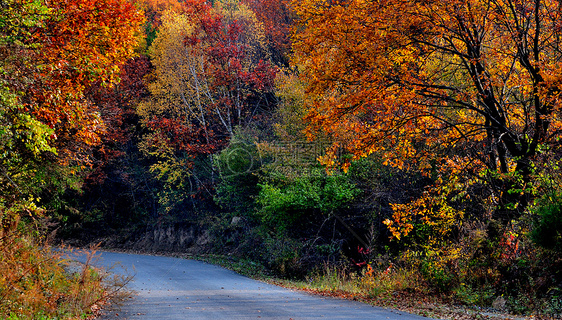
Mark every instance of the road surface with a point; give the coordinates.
(174, 288)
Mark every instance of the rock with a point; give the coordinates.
(203, 238)
(499, 303)
(236, 221)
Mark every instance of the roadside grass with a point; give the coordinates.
(397, 288)
(36, 282)
(367, 283)
(389, 286)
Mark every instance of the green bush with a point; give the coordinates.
(547, 232)
(284, 200)
(284, 256)
(437, 275)
(470, 295)
(238, 165)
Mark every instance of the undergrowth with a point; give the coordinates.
(37, 282)
(371, 282)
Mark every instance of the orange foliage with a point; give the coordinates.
(81, 42)
(425, 81)
(462, 90)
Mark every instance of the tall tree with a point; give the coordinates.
(51, 52)
(211, 75)
(462, 88)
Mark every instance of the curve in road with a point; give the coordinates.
(175, 288)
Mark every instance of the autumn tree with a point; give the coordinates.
(210, 61)
(277, 19)
(153, 10)
(179, 133)
(116, 189)
(234, 80)
(466, 91)
(82, 42)
(211, 75)
(51, 52)
(116, 106)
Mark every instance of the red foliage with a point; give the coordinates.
(81, 42)
(277, 19)
(190, 138)
(233, 76)
(117, 109)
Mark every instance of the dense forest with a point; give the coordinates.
(361, 138)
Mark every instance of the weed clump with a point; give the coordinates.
(37, 283)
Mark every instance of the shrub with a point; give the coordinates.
(547, 232)
(237, 165)
(287, 200)
(35, 284)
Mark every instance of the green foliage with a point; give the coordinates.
(472, 296)
(554, 305)
(519, 304)
(437, 274)
(22, 137)
(238, 166)
(285, 201)
(27, 169)
(284, 255)
(547, 232)
(19, 129)
(17, 18)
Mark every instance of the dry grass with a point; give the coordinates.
(37, 283)
(366, 283)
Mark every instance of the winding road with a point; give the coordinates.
(174, 288)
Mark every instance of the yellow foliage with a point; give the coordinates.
(173, 65)
(431, 209)
(180, 86)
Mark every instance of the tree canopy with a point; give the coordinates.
(462, 88)
(51, 53)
